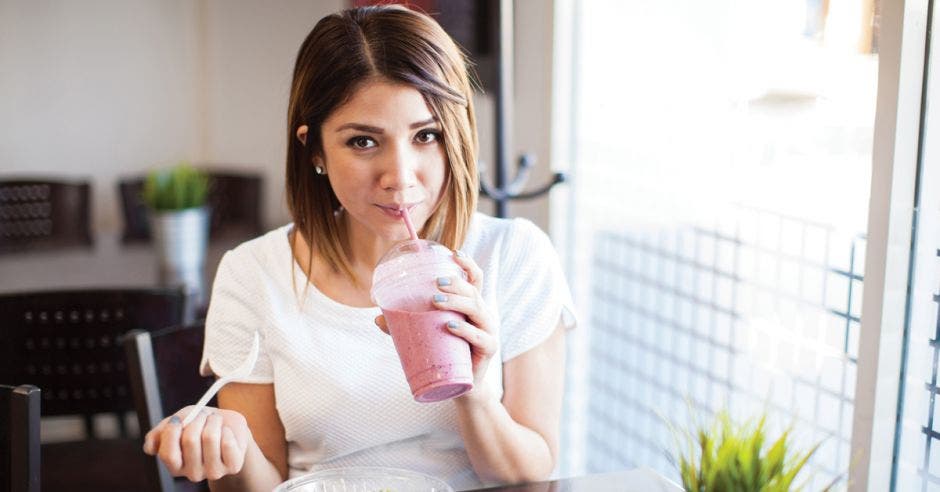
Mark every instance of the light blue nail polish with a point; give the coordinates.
(440, 298)
(460, 253)
(452, 325)
(443, 281)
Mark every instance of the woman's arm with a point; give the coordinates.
(266, 457)
(239, 446)
(517, 440)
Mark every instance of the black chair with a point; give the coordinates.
(19, 438)
(44, 214)
(164, 372)
(234, 202)
(68, 344)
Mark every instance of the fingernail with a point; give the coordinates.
(459, 253)
(452, 325)
(440, 298)
(442, 281)
(175, 420)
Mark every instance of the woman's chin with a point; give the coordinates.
(397, 238)
(390, 233)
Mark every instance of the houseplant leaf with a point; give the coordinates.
(178, 188)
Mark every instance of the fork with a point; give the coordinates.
(243, 370)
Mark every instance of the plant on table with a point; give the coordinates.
(730, 457)
(178, 188)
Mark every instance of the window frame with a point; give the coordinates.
(885, 301)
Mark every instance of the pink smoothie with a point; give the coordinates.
(436, 362)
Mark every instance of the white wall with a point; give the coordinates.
(96, 90)
(102, 89)
(251, 47)
(533, 101)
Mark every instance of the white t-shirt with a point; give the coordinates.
(339, 387)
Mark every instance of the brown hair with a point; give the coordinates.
(346, 49)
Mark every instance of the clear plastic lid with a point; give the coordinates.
(365, 479)
(406, 276)
(408, 250)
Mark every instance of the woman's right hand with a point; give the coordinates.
(212, 446)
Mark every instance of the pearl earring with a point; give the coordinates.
(319, 170)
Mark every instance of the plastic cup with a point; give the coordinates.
(435, 361)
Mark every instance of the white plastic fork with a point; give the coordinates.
(243, 370)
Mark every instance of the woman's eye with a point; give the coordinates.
(361, 142)
(427, 136)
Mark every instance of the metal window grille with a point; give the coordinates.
(931, 479)
(679, 320)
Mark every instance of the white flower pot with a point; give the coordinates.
(180, 238)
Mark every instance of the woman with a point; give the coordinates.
(380, 120)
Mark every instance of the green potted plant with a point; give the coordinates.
(178, 188)
(730, 457)
(176, 199)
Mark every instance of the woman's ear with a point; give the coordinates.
(302, 134)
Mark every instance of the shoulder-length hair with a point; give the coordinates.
(341, 52)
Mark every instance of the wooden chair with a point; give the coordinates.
(164, 373)
(44, 214)
(234, 202)
(19, 438)
(68, 343)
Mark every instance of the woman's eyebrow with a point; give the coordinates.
(361, 128)
(419, 124)
(374, 129)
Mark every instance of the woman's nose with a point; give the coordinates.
(400, 170)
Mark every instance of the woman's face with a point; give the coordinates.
(383, 152)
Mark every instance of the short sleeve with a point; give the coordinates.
(533, 291)
(235, 313)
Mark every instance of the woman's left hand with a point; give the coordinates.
(463, 296)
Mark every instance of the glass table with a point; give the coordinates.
(635, 480)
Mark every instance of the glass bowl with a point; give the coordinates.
(365, 479)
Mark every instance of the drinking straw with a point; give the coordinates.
(411, 227)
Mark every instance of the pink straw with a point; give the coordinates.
(408, 224)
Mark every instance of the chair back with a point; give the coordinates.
(68, 343)
(44, 214)
(234, 204)
(134, 211)
(235, 200)
(19, 438)
(164, 373)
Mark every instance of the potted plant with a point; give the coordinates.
(178, 213)
(729, 457)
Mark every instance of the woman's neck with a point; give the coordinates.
(334, 283)
(364, 248)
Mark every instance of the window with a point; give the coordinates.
(718, 221)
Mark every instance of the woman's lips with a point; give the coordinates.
(394, 210)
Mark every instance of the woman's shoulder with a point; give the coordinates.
(262, 252)
(488, 229)
(495, 241)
